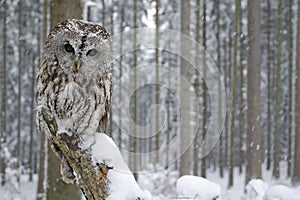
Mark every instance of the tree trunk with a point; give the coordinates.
(290, 109)
(157, 90)
(241, 112)
(197, 90)
(269, 75)
(41, 189)
(111, 33)
(121, 73)
(3, 79)
(253, 168)
(169, 128)
(296, 176)
(61, 10)
(204, 95)
(57, 188)
(226, 78)
(32, 108)
(20, 66)
(221, 149)
(133, 138)
(277, 119)
(103, 13)
(233, 89)
(42, 176)
(185, 137)
(229, 86)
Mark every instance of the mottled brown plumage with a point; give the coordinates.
(74, 78)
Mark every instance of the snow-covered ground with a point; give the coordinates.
(24, 191)
(162, 185)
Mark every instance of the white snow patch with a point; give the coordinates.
(256, 189)
(122, 184)
(282, 192)
(24, 191)
(257, 147)
(197, 187)
(104, 150)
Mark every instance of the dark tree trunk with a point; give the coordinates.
(253, 168)
(3, 79)
(185, 161)
(296, 176)
(276, 154)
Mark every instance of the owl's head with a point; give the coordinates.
(79, 47)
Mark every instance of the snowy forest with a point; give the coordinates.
(202, 88)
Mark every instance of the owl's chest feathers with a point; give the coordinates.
(76, 101)
(75, 97)
(80, 101)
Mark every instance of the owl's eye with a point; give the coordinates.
(69, 48)
(91, 52)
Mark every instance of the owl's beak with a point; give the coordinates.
(77, 66)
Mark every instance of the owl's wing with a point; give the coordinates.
(44, 129)
(42, 81)
(107, 83)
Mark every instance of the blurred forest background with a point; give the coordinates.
(262, 127)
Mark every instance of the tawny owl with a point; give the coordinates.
(74, 78)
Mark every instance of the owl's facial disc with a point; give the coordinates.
(79, 48)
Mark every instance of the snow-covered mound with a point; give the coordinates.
(282, 192)
(197, 188)
(122, 185)
(256, 189)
